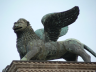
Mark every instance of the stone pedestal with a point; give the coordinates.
(51, 66)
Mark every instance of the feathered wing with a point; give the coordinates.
(53, 22)
(40, 32)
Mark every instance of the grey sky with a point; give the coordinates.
(33, 10)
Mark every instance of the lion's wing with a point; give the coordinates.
(53, 22)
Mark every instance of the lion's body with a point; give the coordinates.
(50, 50)
(47, 51)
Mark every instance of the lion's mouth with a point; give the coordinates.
(17, 28)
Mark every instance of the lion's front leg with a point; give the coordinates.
(30, 54)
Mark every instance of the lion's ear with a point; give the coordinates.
(28, 23)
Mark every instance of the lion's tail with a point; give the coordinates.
(90, 50)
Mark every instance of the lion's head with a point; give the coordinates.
(20, 25)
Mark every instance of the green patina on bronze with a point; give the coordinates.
(31, 47)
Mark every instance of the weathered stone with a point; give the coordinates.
(51, 66)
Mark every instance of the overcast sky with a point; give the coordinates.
(83, 29)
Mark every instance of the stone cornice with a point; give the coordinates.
(50, 65)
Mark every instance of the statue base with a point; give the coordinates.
(50, 66)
